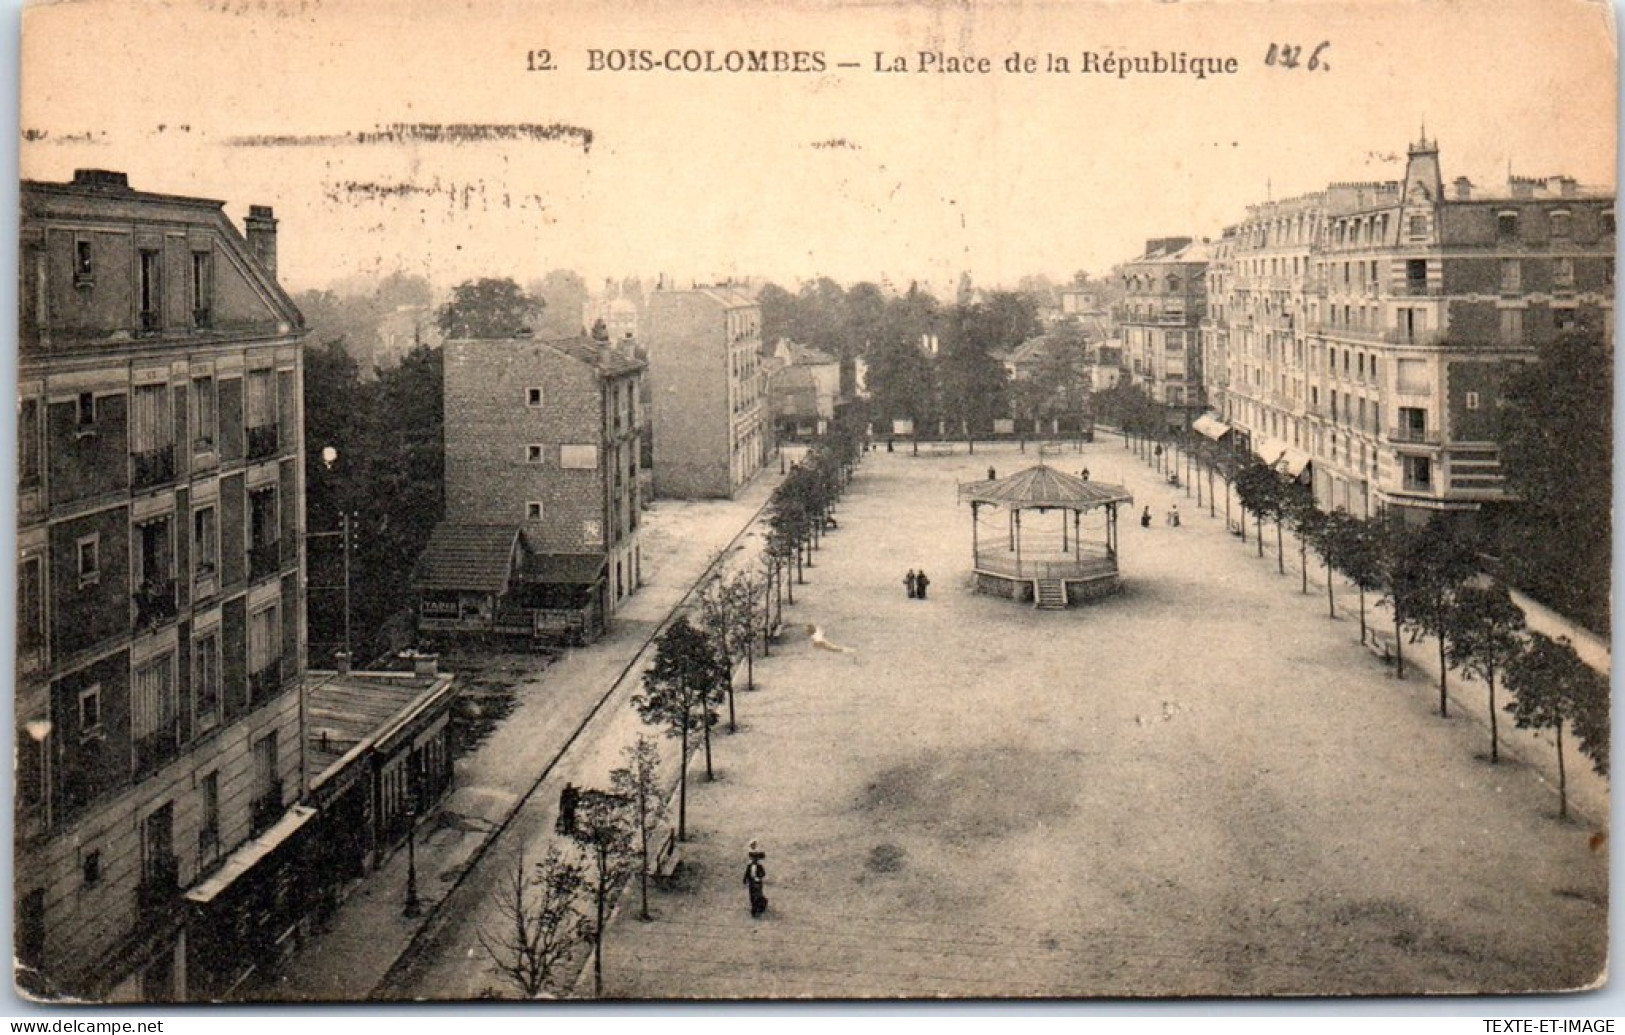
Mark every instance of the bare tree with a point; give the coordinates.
(639, 783)
(602, 830)
(541, 922)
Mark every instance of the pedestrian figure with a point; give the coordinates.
(912, 582)
(568, 799)
(992, 475)
(920, 582)
(889, 445)
(1086, 474)
(1145, 518)
(755, 878)
(1173, 516)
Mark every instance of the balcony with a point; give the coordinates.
(262, 442)
(160, 746)
(1421, 289)
(153, 467)
(266, 809)
(154, 603)
(265, 683)
(1422, 485)
(160, 886)
(264, 560)
(202, 318)
(205, 582)
(149, 322)
(1414, 436)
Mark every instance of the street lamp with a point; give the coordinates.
(330, 458)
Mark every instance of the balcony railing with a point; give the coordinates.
(264, 560)
(1419, 289)
(160, 884)
(1416, 485)
(205, 582)
(155, 748)
(154, 603)
(154, 466)
(149, 322)
(262, 442)
(265, 810)
(264, 684)
(1418, 436)
(202, 317)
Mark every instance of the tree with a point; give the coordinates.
(541, 922)
(728, 616)
(678, 691)
(1551, 686)
(1556, 435)
(1485, 627)
(1259, 488)
(1298, 505)
(1359, 557)
(1328, 535)
(603, 829)
(1434, 564)
(639, 783)
(488, 308)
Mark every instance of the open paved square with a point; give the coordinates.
(1200, 786)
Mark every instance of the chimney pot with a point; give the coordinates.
(260, 229)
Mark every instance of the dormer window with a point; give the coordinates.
(1506, 225)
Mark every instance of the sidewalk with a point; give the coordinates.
(369, 934)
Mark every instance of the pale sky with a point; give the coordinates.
(703, 176)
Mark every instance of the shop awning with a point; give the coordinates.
(1294, 461)
(1211, 426)
(1269, 450)
(251, 854)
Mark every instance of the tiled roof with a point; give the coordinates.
(565, 569)
(348, 709)
(1044, 486)
(609, 361)
(472, 557)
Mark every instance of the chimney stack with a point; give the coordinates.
(1464, 189)
(260, 229)
(101, 179)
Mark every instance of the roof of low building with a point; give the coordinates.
(1044, 486)
(471, 557)
(344, 711)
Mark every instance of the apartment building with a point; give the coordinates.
(1159, 321)
(160, 610)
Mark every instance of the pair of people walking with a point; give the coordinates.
(916, 583)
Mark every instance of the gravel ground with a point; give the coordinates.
(1201, 786)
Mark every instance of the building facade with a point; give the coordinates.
(805, 385)
(710, 418)
(1365, 330)
(160, 612)
(543, 504)
(1159, 322)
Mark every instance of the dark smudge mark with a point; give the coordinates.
(427, 133)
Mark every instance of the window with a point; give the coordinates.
(1608, 222)
(150, 292)
(578, 457)
(264, 633)
(267, 804)
(90, 866)
(1472, 400)
(1512, 326)
(90, 564)
(1563, 319)
(206, 681)
(534, 454)
(264, 550)
(533, 397)
(202, 289)
(533, 510)
(153, 704)
(152, 436)
(158, 870)
(87, 411)
(90, 712)
(1419, 226)
(205, 414)
(1563, 273)
(1511, 276)
(29, 444)
(1418, 472)
(205, 540)
(259, 389)
(84, 263)
(1506, 225)
(208, 834)
(1562, 224)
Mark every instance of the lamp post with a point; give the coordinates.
(330, 457)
